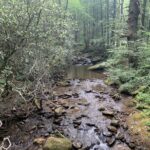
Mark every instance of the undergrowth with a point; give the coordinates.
(132, 79)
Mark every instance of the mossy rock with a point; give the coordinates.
(55, 143)
(99, 66)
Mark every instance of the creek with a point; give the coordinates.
(87, 111)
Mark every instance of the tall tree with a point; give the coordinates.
(134, 11)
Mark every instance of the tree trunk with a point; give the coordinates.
(134, 11)
(143, 13)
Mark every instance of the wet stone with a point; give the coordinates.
(108, 113)
(91, 124)
(98, 96)
(102, 108)
(107, 134)
(39, 141)
(114, 123)
(125, 126)
(58, 121)
(88, 91)
(111, 141)
(112, 129)
(131, 145)
(76, 122)
(121, 147)
(59, 111)
(65, 96)
(119, 136)
(76, 145)
(75, 95)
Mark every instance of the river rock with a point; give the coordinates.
(112, 129)
(59, 111)
(64, 83)
(39, 141)
(65, 96)
(101, 108)
(108, 113)
(58, 121)
(114, 123)
(91, 124)
(107, 134)
(111, 141)
(75, 95)
(131, 145)
(88, 91)
(77, 145)
(121, 147)
(55, 143)
(77, 122)
(83, 102)
(119, 136)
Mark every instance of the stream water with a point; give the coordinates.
(85, 110)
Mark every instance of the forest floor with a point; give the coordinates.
(87, 111)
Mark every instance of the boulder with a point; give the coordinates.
(55, 143)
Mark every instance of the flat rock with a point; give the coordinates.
(55, 143)
(108, 113)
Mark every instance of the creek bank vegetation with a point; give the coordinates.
(40, 39)
(36, 44)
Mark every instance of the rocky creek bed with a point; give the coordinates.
(89, 113)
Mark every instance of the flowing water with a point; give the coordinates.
(79, 108)
(92, 93)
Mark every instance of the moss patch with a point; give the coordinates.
(137, 126)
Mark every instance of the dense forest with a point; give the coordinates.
(74, 74)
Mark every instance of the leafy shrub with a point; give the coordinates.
(143, 97)
(126, 88)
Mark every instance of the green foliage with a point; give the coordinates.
(143, 97)
(39, 33)
(36, 44)
(132, 77)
